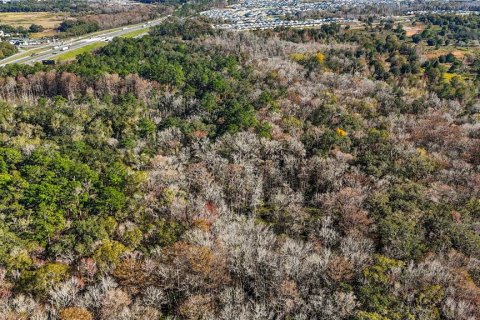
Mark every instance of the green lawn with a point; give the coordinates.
(72, 54)
(136, 33)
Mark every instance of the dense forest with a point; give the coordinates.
(328, 173)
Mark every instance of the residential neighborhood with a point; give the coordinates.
(265, 14)
(253, 14)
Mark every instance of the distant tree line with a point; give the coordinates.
(43, 6)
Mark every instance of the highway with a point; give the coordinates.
(53, 50)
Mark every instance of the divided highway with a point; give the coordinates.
(50, 52)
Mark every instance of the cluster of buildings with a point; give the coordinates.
(262, 14)
(259, 14)
(21, 41)
(18, 39)
(15, 39)
(274, 23)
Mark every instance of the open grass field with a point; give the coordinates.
(48, 20)
(413, 29)
(457, 52)
(24, 19)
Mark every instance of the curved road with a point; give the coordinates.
(50, 53)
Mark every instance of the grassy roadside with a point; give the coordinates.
(136, 33)
(101, 32)
(72, 54)
(23, 54)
